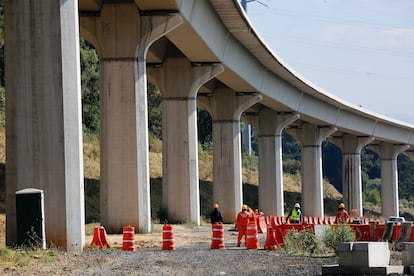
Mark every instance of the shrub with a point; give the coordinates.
(336, 234)
(301, 243)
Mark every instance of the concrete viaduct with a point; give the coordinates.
(197, 52)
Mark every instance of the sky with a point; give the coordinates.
(361, 51)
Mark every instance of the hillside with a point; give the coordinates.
(292, 183)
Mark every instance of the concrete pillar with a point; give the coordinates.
(311, 137)
(43, 111)
(225, 107)
(180, 183)
(269, 125)
(123, 38)
(351, 169)
(388, 154)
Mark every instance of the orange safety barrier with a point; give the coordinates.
(99, 238)
(305, 219)
(412, 234)
(396, 234)
(270, 243)
(167, 237)
(217, 241)
(261, 225)
(273, 222)
(278, 235)
(128, 241)
(380, 231)
(267, 220)
(252, 238)
(362, 232)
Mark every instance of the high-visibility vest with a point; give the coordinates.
(296, 214)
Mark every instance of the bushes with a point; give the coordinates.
(306, 243)
(303, 243)
(336, 234)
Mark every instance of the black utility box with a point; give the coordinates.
(30, 218)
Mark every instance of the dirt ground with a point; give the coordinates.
(193, 256)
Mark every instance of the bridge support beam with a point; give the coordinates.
(389, 176)
(179, 82)
(311, 138)
(269, 125)
(351, 169)
(43, 111)
(226, 107)
(122, 45)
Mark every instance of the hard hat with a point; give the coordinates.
(244, 207)
(297, 205)
(342, 206)
(215, 206)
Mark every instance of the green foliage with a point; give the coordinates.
(204, 126)
(154, 111)
(2, 108)
(89, 62)
(332, 164)
(336, 234)
(250, 162)
(370, 163)
(291, 166)
(301, 243)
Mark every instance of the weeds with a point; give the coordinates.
(302, 243)
(336, 234)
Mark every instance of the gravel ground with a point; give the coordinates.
(193, 256)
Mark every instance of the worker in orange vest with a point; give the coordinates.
(241, 223)
(342, 215)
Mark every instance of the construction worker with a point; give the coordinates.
(216, 214)
(295, 214)
(241, 223)
(342, 215)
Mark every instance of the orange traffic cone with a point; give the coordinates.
(99, 237)
(102, 236)
(168, 237)
(217, 241)
(128, 241)
(96, 240)
(270, 243)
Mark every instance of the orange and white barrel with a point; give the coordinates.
(252, 237)
(168, 237)
(217, 240)
(128, 241)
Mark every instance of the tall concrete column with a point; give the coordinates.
(269, 125)
(389, 176)
(226, 107)
(123, 37)
(43, 111)
(311, 138)
(351, 169)
(179, 82)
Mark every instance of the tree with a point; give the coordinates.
(89, 63)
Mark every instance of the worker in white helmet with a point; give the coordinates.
(295, 214)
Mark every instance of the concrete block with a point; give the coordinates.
(408, 254)
(352, 270)
(364, 254)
